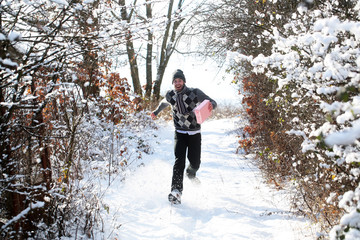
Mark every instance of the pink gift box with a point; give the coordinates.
(202, 111)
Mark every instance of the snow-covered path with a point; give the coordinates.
(232, 202)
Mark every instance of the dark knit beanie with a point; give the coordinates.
(178, 74)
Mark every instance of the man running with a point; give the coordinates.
(183, 100)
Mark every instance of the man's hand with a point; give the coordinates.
(153, 117)
(210, 107)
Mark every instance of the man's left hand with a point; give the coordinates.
(153, 116)
(210, 107)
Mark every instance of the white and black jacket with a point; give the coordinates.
(185, 119)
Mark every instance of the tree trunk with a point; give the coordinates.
(149, 54)
(89, 85)
(130, 50)
(163, 56)
(133, 66)
(167, 49)
(45, 157)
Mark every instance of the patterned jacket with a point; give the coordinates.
(192, 97)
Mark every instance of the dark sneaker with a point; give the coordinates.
(190, 172)
(175, 197)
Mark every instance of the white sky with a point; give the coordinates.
(207, 76)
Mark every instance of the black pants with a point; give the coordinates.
(183, 142)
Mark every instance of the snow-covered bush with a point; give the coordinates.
(105, 151)
(349, 227)
(315, 63)
(53, 69)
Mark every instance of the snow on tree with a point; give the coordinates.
(56, 79)
(318, 64)
(314, 61)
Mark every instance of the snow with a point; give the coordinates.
(345, 137)
(8, 62)
(231, 202)
(23, 213)
(13, 36)
(60, 2)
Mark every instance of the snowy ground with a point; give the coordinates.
(232, 202)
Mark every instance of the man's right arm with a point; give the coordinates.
(163, 104)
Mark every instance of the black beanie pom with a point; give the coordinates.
(178, 74)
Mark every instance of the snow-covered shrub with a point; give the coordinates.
(109, 140)
(53, 64)
(303, 115)
(316, 67)
(349, 227)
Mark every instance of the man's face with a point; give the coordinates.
(178, 84)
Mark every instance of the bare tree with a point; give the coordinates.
(170, 32)
(230, 25)
(132, 56)
(169, 41)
